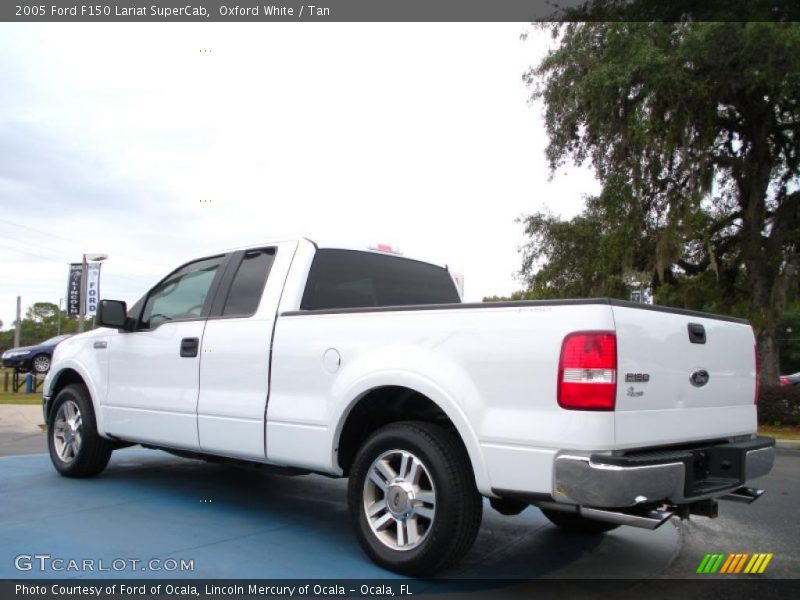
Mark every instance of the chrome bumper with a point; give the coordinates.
(659, 476)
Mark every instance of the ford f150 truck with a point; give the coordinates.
(363, 364)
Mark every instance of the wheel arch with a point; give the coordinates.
(396, 400)
(72, 374)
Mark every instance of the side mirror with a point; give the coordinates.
(112, 313)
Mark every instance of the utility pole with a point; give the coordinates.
(18, 324)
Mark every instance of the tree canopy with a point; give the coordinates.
(41, 321)
(693, 130)
(42, 312)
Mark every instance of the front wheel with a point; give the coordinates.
(413, 498)
(76, 449)
(41, 364)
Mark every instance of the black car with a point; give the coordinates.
(33, 358)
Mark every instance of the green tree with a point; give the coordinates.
(789, 339)
(42, 312)
(589, 255)
(694, 131)
(41, 323)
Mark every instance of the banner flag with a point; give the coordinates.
(74, 290)
(92, 288)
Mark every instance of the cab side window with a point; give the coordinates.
(182, 295)
(248, 284)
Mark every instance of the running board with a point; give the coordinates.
(744, 494)
(651, 519)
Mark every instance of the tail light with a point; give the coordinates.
(587, 371)
(784, 380)
(758, 373)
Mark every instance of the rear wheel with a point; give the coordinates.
(574, 523)
(413, 499)
(76, 449)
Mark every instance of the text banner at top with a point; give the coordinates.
(398, 10)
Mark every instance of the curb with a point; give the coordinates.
(788, 444)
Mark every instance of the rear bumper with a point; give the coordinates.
(675, 476)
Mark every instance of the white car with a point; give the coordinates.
(364, 364)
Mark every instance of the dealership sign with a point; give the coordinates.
(91, 291)
(92, 288)
(74, 290)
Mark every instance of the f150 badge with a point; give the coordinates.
(636, 378)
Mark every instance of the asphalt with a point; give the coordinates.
(241, 523)
(21, 429)
(768, 525)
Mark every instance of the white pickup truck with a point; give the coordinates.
(364, 364)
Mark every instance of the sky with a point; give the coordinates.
(156, 143)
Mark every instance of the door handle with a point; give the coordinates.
(697, 333)
(189, 347)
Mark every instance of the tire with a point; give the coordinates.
(573, 523)
(426, 476)
(40, 364)
(76, 449)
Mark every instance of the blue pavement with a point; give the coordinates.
(240, 523)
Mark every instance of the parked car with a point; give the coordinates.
(33, 358)
(793, 379)
(364, 364)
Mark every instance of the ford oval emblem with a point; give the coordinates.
(699, 377)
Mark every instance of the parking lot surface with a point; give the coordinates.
(238, 523)
(21, 428)
(243, 523)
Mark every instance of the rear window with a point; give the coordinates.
(353, 279)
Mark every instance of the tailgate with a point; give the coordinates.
(673, 387)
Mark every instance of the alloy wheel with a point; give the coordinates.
(68, 431)
(399, 499)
